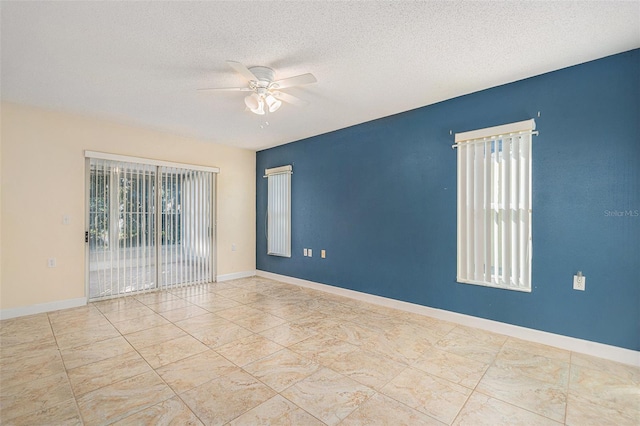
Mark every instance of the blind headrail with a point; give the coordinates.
(493, 138)
(496, 132)
(278, 171)
(148, 161)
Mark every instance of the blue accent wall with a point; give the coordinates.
(380, 198)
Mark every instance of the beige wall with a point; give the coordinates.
(43, 178)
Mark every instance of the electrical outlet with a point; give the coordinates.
(310, 253)
(323, 254)
(579, 281)
(51, 262)
(66, 219)
(305, 251)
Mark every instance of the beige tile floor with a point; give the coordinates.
(260, 352)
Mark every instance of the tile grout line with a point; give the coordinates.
(175, 394)
(566, 406)
(475, 388)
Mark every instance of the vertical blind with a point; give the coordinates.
(494, 206)
(186, 231)
(279, 211)
(121, 232)
(149, 226)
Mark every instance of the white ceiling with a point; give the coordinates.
(141, 62)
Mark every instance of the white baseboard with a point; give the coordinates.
(613, 353)
(74, 303)
(42, 307)
(235, 275)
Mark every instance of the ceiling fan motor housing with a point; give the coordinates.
(264, 75)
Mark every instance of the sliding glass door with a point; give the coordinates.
(149, 227)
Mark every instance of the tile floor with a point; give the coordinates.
(260, 352)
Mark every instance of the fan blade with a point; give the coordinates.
(241, 69)
(298, 80)
(290, 99)
(228, 89)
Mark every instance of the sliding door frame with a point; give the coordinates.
(213, 235)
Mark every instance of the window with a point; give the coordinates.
(279, 211)
(494, 206)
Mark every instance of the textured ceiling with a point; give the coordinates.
(141, 62)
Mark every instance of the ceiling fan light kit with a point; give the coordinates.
(273, 103)
(255, 103)
(266, 95)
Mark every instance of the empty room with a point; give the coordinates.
(320, 213)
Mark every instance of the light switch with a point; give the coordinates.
(305, 251)
(310, 252)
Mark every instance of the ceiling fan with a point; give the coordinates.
(266, 94)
